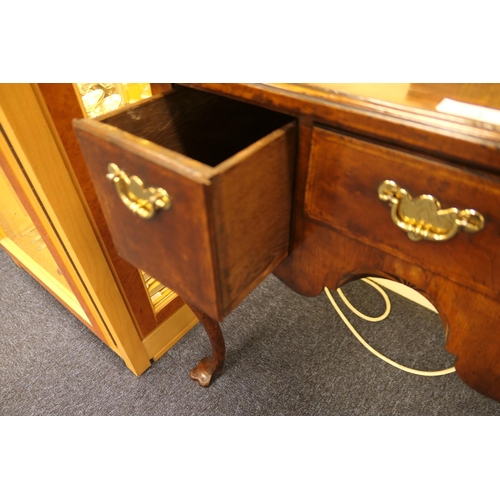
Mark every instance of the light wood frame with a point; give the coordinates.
(36, 164)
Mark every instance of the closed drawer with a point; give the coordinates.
(227, 169)
(342, 192)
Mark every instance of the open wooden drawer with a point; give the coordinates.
(196, 189)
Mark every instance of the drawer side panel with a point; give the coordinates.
(252, 210)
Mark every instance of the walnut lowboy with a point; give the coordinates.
(230, 182)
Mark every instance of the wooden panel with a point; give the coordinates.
(21, 239)
(251, 212)
(344, 175)
(28, 229)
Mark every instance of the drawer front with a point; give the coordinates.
(342, 192)
(174, 245)
(227, 226)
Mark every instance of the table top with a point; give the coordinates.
(420, 95)
(477, 102)
(475, 106)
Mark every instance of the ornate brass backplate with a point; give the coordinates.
(140, 200)
(423, 217)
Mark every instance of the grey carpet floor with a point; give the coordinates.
(286, 355)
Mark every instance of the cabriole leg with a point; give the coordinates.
(210, 367)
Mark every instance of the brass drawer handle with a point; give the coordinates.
(423, 218)
(144, 202)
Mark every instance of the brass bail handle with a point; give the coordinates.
(140, 200)
(423, 217)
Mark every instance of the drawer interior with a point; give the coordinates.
(205, 127)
